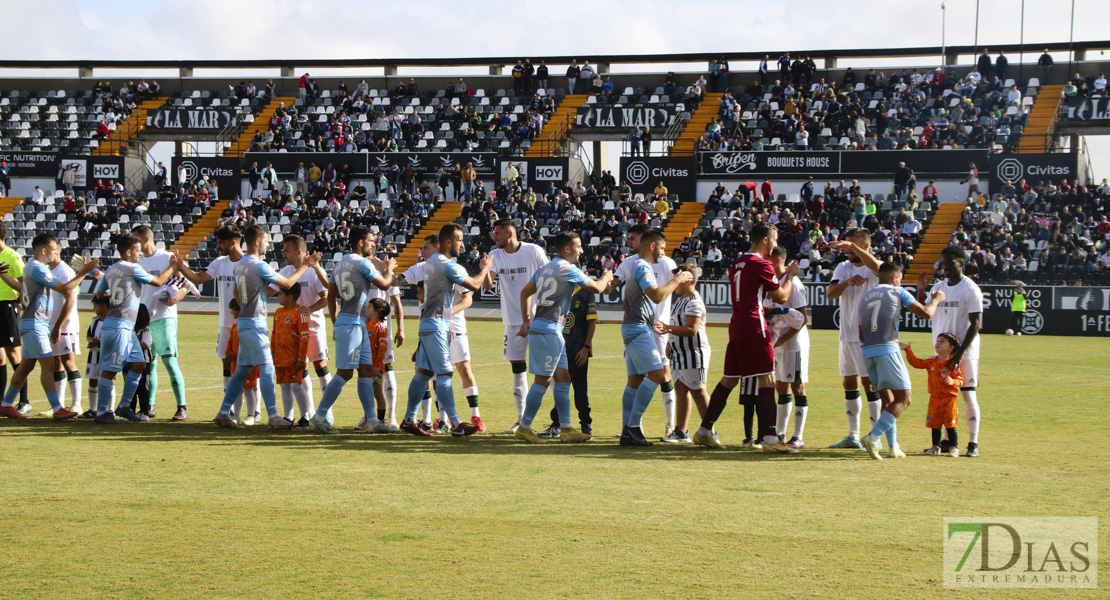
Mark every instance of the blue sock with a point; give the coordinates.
(532, 404)
(234, 387)
(627, 402)
(103, 395)
(52, 398)
(366, 396)
(892, 434)
(10, 396)
(446, 396)
(417, 387)
(266, 386)
(643, 398)
(562, 403)
(885, 422)
(130, 386)
(331, 393)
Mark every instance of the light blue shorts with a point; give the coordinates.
(641, 354)
(36, 343)
(254, 347)
(434, 353)
(888, 372)
(352, 346)
(546, 352)
(119, 347)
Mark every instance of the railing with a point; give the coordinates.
(675, 131)
(229, 135)
(118, 139)
(1050, 133)
(554, 142)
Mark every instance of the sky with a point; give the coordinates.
(240, 29)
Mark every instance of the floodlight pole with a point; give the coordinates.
(943, 35)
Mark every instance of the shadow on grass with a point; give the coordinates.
(604, 446)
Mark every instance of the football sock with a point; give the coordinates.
(233, 390)
(130, 385)
(266, 388)
(324, 377)
(885, 422)
(748, 402)
(643, 399)
(304, 401)
(4, 378)
(892, 434)
(936, 437)
(9, 397)
(22, 390)
(52, 398)
(381, 414)
(418, 391)
(177, 379)
(628, 399)
(287, 399)
(472, 400)
(717, 401)
(445, 393)
(561, 391)
(102, 403)
(306, 385)
(250, 402)
(953, 436)
(668, 402)
(60, 386)
(389, 387)
(874, 406)
(766, 411)
(782, 414)
(92, 397)
(331, 394)
(366, 398)
(74, 384)
(532, 404)
(520, 390)
(852, 407)
(972, 405)
(426, 405)
(152, 379)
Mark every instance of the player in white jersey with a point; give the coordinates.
(68, 346)
(851, 280)
(312, 302)
(514, 262)
(791, 357)
(664, 272)
(385, 387)
(961, 314)
(222, 270)
(689, 354)
(163, 324)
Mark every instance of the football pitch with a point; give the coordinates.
(186, 510)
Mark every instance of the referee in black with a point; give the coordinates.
(578, 333)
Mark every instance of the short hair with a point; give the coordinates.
(652, 236)
(505, 224)
(293, 290)
(228, 233)
(888, 270)
(432, 238)
(254, 233)
(357, 234)
(760, 231)
(43, 239)
(779, 252)
(101, 300)
(951, 338)
(142, 231)
(639, 229)
(293, 238)
(690, 268)
(954, 253)
(448, 231)
(860, 233)
(565, 238)
(234, 304)
(380, 306)
(125, 242)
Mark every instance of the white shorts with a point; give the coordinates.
(460, 348)
(222, 338)
(791, 365)
(92, 369)
(67, 344)
(969, 365)
(516, 347)
(317, 344)
(661, 341)
(851, 359)
(693, 379)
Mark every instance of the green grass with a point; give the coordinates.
(168, 510)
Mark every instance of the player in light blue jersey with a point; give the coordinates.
(348, 293)
(433, 355)
(880, 311)
(553, 285)
(642, 356)
(252, 278)
(34, 326)
(119, 345)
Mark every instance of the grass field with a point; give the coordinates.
(184, 510)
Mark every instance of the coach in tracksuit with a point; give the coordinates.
(578, 333)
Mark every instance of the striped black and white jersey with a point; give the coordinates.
(689, 352)
(94, 332)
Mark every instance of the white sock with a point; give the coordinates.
(60, 388)
(75, 393)
(520, 392)
(852, 408)
(252, 401)
(306, 385)
(874, 410)
(92, 398)
(468, 392)
(426, 409)
(782, 417)
(800, 413)
(971, 403)
(287, 400)
(324, 381)
(303, 395)
(668, 408)
(389, 386)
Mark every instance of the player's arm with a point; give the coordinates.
(782, 294)
(912, 359)
(399, 317)
(659, 293)
(285, 282)
(333, 301)
(160, 279)
(869, 260)
(526, 307)
(926, 311)
(484, 275)
(598, 286)
(923, 279)
(320, 304)
(384, 279)
(975, 322)
(16, 283)
(465, 302)
(789, 335)
(487, 281)
(197, 279)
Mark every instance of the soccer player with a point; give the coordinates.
(289, 340)
(642, 356)
(689, 354)
(852, 279)
(791, 358)
(385, 386)
(414, 275)
(880, 311)
(944, 388)
(248, 396)
(377, 315)
(433, 353)
(68, 345)
(750, 352)
(252, 275)
(514, 262)
(222, 270)
(312, 301)
(578, 333)
(9, 317)
(663, 271)
(34, 326)
(163, 322)
(555, 284)
(92, 366)
(119, 345)
(961, 314)
(348, 289)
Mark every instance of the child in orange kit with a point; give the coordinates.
(944, 389)
(289, 342)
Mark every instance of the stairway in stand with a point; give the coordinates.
(126, 130)
(200, 229)
(8, 204)
(934, 239)
(447, 212)
(553, 130)
(261, 123)
(695, 127)
(682, 223)
(1036, 127)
